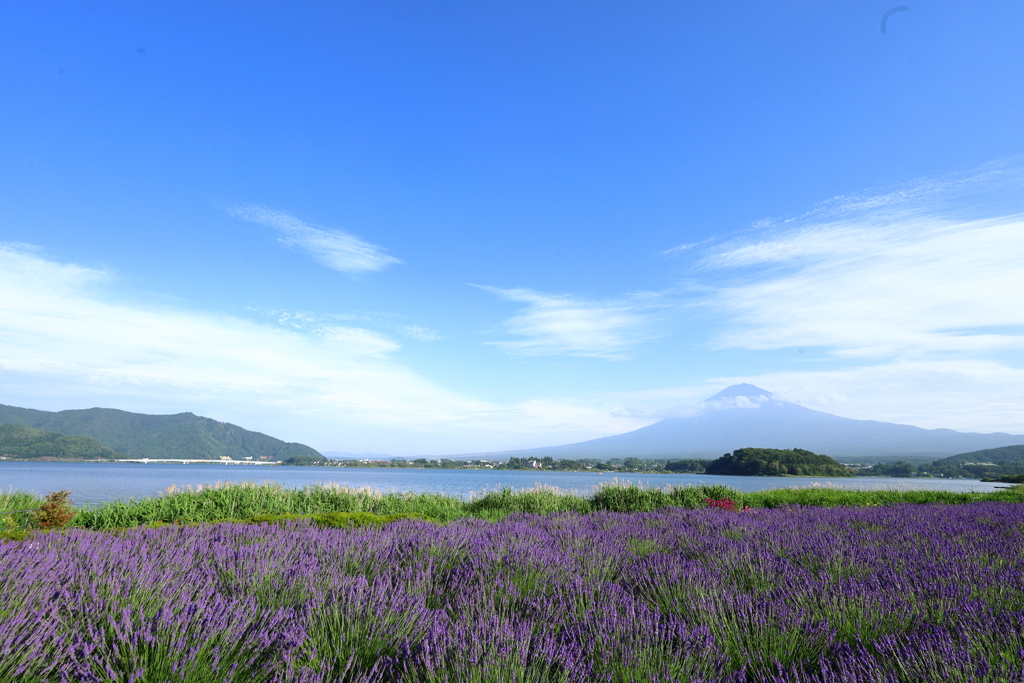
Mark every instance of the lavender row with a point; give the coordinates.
(896, 593)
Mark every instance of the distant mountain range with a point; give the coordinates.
(744, 416)
(741, 416)
(134, 435)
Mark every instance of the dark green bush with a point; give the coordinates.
(15, 534)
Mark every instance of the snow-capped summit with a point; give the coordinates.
(746, 416)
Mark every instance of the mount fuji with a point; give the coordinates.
(744, 416)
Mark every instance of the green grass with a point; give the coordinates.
(331, 520)
(242, 501)
(822, 496)
(249, 500)
(13, 501)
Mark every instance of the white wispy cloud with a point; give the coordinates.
(68, 340)
(20, 246)
(871, 219)
(567, 325)
(675, 251)
(333, 248)
(802, 245)
(920, 285)
(319, 323)
(419, 332)
(953, 193)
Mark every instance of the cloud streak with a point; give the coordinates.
(565, 325)
(914, 286)
(317, 323)
(332, 248)
(419, 332)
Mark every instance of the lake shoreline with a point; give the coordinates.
(153, 461)
(97, 483)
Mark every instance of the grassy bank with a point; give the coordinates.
(220, 502)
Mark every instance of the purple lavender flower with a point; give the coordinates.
(899, 593)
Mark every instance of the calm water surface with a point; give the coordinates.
(100, 482)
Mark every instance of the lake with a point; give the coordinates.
(92, 483)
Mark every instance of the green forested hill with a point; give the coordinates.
(184, 435)
(991, 462)
(773, 462)
(17, 441)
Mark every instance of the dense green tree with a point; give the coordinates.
(774, 462)
(27, 443)
(307, 459)
(695, 466)
(991, 463)
(900, 468)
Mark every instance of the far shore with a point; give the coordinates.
(494, 466)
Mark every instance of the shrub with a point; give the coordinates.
(55, 512)
(359, 519)
(15, 534)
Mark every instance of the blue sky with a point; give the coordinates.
(457, 227)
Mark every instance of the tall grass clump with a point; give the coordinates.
(541, 500)
(17, 509)
(247, 500)
(834, 496)
(627, 497)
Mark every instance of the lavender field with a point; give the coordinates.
(888, 593)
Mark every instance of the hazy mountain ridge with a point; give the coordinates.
(745, 416)
(1004, 455)
(179, 436)
(991, 462)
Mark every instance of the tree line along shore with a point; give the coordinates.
(743, 461)
(995, 464)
